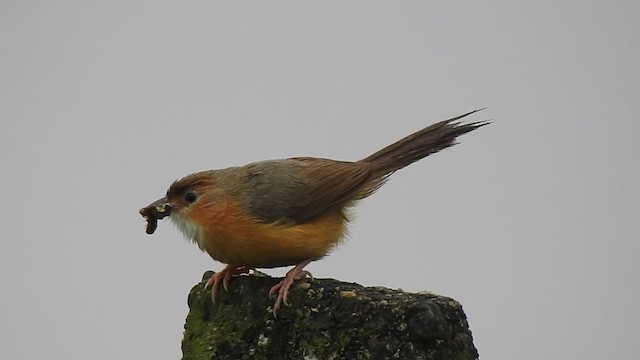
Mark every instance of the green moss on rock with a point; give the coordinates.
(328, 319)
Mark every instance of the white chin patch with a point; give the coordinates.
(189, 229)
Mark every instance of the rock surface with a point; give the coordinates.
(327, 319)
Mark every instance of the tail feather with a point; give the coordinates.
(418, 145)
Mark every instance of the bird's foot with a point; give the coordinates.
(282, 288)
(223, 277)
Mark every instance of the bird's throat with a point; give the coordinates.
(190, 229)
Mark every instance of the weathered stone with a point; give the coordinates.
(327, 319)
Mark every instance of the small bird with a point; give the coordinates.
(285, 212)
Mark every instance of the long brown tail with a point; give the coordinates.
(418, 145)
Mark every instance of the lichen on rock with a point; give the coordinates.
(327, 319)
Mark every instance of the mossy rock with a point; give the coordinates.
(327, 319)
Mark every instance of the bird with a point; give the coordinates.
(286, 212)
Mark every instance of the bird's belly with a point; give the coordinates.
(239, 240)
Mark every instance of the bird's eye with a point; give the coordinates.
(190, 197)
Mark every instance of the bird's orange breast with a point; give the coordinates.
(232, 236)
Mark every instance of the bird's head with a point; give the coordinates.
(184, 203)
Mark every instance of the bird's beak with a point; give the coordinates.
(155, 211)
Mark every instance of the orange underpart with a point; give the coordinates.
(232, 236)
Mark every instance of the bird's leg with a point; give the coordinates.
(223, 276)
(297, 273)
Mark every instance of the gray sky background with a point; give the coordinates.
(531, 223)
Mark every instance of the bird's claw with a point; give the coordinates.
(297, 273)
(223, 276)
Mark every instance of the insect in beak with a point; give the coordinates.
(155, 211)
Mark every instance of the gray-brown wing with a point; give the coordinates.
(301, 189)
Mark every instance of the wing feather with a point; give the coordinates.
(302, 189)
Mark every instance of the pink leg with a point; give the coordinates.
(223, 276)
(297, 273)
